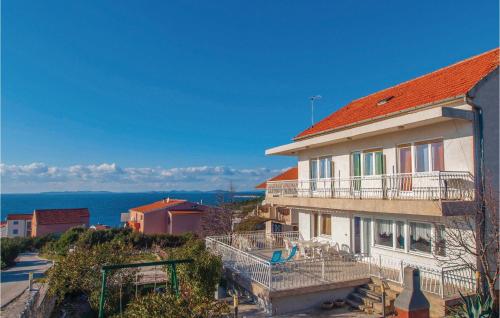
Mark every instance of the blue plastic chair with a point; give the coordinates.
(276, 258)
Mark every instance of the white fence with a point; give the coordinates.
(439, 185)
(236, 253)
(443, 281)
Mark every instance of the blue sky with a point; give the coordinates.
(182, 85)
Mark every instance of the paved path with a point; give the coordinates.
(14, 281)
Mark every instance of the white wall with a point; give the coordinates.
(341, 229)
(20, 227)
(457, 138)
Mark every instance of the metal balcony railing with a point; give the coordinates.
(439, 185)
(238, 254)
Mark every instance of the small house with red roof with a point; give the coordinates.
(3, 228)
(171, 216)
(57, 221)
(18, 224)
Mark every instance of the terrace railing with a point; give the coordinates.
(238, 257)
(439, 185)
(443, 281)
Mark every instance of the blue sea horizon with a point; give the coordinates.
(105, 207)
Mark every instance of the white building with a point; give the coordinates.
(380, 175)
(375, 185)
(19, 225)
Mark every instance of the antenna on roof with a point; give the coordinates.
(312, 99)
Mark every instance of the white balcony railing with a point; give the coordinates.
(439, 185)
(238, 254)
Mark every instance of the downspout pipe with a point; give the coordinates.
(479, 175)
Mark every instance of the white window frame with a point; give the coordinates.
(430, 157)
(374, 161)
(318, 167)
(432, 238)
(375, 229)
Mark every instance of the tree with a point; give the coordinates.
(79, 273)
(472, 239)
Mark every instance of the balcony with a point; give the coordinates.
(432, 193)
(440, 185)
(247, 256)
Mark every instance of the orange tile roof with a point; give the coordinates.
(290, 174)
(452, 81)
(157, 205)
(62, 216)
(20, 216)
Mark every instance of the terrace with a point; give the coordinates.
(248, 255)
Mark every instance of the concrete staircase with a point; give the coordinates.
(369, 298)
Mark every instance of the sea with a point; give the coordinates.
(106, 207)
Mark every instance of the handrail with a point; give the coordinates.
(438, 185)
(297, 273)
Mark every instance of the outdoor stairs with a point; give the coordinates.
(369, 298)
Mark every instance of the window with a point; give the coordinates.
(400, 235)
(313, 169)
(373, 163)
(437, 151)
(404, 153)
(326, 224)
(440, 248)
(422, 157)
(325, 167)
(15, 222)
(383, 234)
(429, 156)
(420, 237)
(15, 231)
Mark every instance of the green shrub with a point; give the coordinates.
(11, 247)
(200, 277)
(167, 305)
(137, 240)
(79, 273)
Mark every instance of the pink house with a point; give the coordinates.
(170, 216)
(56, 221)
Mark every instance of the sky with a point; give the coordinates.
(163, 95)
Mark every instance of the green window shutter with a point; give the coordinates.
(379, 163)
(356, 162)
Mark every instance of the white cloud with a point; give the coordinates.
(38, 177)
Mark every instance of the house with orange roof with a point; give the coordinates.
(280, 213)
(167, 216)
(3, 229)
(57, 221)
(377, 186)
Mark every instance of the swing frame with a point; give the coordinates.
(172, 268)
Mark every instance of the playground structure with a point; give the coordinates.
(144, 277)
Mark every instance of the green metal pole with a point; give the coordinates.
(103, 293)
(173, 279)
